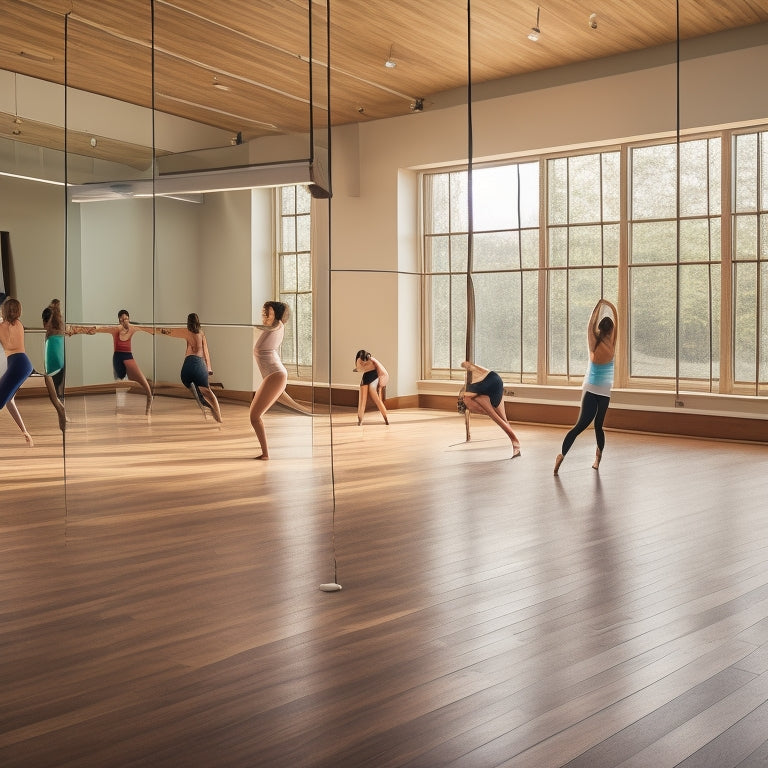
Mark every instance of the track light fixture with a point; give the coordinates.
(593, 21)
(535, 32)
(390, 63)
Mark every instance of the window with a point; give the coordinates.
(505, 262)
(583, 207)
(643, 222)
(294, 277)
(674, 305)
(750, 260)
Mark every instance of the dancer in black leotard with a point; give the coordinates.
(375, 378)
(484, 395)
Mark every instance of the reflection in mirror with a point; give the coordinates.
(32, 222)
(196, 207)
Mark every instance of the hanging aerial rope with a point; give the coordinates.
(469, 350)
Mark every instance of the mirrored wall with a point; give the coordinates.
(141, 171)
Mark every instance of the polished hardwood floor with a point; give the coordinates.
(160, 601)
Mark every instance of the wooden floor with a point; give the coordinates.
(168, 614)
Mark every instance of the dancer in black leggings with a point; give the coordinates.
(601, 337)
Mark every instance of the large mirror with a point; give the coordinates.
(137, 188)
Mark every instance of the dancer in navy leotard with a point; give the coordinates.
(196, 367)
(484, 394)
(19, 366)
(601, 337)
(375, 378)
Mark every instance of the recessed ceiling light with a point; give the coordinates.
(219, 86)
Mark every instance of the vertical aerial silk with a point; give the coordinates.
(469, 350)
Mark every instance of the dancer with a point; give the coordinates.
(197, 363)
(375, 378)
(484, 394)
(273, 372)
(54, 358)
(122, 359)
(601, 338)
(19, 366)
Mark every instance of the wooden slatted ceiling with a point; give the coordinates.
(259, 50)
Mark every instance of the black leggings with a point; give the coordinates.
(593, 408)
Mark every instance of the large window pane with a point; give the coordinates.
(654, 182)
(654, 242)
(745, 322)
(699, 322)
(503, 197)
(652, 313)
(497, 312)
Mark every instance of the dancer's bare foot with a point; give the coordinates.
(28, 438)
(598, 456)
(558, 461)
(261, 457)
(516, 450)
(148, 409)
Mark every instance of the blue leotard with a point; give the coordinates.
(18, 370)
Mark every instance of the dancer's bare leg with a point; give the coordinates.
(265, 397)
(14, 411)
(362, 401)
(134, 374)
(210, 398)
(57, 404)
(482, 404)
(374, 392)
(558, 462)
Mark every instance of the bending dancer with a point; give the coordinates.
(484, 394)
(197, 363)
(375, 378)
(19, 366)
(54, 358)
(601, 337)
(122, 359)
(273, 372)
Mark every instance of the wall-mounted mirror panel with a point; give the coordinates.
(32, 219)
(172, 203)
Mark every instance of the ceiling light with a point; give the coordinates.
(219, 86)
(390, 63)
(593, 21)
(533, 35)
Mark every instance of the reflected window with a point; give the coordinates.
(293, 269)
